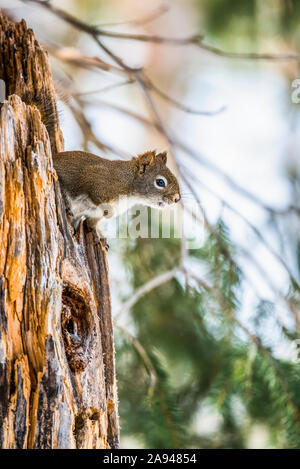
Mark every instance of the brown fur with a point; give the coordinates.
(103, 180)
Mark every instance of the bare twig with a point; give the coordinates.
(175, 103)
(73, 56)
(104, 89)
(142, 21)
(95, 31)
(76, 58)
(88, 134)
(250, 55)
(143, 354)
(196, 39)
(146, 288)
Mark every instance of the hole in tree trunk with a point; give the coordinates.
(70, 326)
(76, 327)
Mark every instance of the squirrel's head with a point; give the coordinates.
(155, 183)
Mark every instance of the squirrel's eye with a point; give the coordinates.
(160, 182)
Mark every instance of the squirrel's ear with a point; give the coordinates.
(162, 157)
(145, 160)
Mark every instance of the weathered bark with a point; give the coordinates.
(57, 376)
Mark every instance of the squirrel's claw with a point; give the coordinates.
(101, 241)
(104, 242)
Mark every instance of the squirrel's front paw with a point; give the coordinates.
(76, 223)
(103, 240)
(106, 245)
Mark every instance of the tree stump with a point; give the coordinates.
(57, 371)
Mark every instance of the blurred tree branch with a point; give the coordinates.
(196, 39)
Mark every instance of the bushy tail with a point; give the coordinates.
(46, 104)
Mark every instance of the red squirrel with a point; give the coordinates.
(97, 188)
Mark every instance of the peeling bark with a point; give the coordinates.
(57, 372)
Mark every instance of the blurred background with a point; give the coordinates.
(207, 340)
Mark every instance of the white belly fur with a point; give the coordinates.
(83, 207)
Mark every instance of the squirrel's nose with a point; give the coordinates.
(176, 198)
